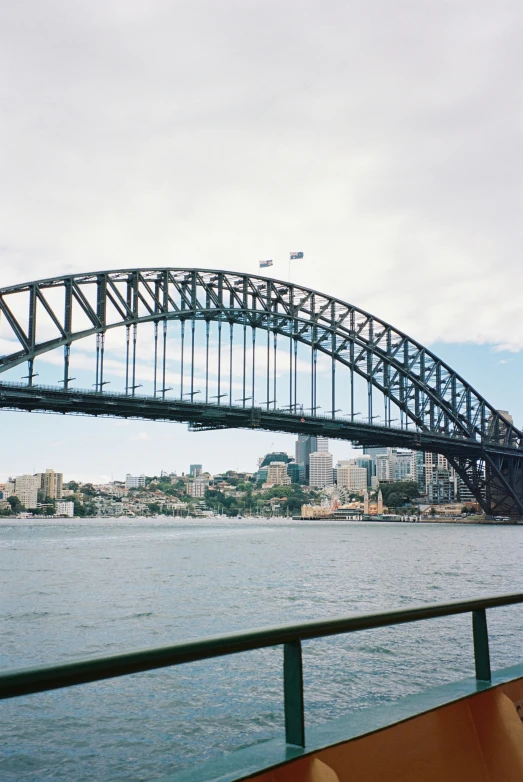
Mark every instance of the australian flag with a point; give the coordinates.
(295, 256)
(263, 264)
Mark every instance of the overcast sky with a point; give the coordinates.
(382, 139)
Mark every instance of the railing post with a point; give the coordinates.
(293, 694)
(481, 647)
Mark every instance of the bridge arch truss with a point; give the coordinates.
(366, 361)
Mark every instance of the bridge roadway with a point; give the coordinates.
(205, 416)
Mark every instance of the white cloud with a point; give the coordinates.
(142, 436)
(383, 142)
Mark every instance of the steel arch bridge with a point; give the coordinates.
(224, 331)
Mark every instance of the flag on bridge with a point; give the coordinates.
(296, 255)
(263, 264)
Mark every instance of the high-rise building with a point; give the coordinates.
(432, 463)
(322, 444)
(195, 470)
(440, 488)
(320, 469)
(50, 483)
(134, 481)
(296, 472)
(274, 456)
(402, 465)
(352, 477)
(305, 445)
(384, 466)
(277, 474)
(366, 461)
(374, 451)
(417, 469)
(26, 489)
(64, 509)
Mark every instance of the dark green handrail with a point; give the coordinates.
(51, 677)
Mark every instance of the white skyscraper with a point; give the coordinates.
(320, 469)
(322, 444)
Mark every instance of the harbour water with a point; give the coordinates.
(71, 589)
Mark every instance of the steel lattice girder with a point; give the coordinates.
(429, 392)
(450, 417)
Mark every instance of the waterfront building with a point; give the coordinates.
(277, 474)
(320, 469)
(417, 470)
(402, 465)
(134, 481)
(366, 461)
(432, 461)
(351, 476)
(385, 466)
(440, 487)
(26, 489)
(198, 487)
(296, 472)
(50, 483)
(433, 464)
(6, 489)
(195, 470)
(64, 508)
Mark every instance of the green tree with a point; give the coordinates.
(16, 505)
(399, 493)
(73, 485)
(88, 490)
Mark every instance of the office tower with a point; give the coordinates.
(352, 477)
(322, 444)
(320, 469)
(305, 445)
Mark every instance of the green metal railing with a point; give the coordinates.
(31, 680)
